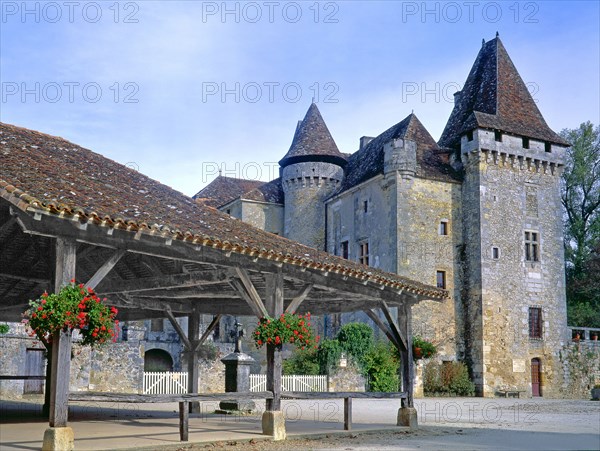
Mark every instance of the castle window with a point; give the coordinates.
(525, 143)
(156, 325)
(470, 135)
(548, 147)
(495, 253)
(366, 206)
(363, 257)
(535, 322)
(344, 249)
(443, 228)
(228, 211)
(441, 279)
(532, 246)
(498, 135)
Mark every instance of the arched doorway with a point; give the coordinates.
(157, 360)
(536, 377)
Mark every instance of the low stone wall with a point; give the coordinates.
(347, 379)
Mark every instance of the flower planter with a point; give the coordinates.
(417, 353)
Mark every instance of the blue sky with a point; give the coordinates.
(178, 89)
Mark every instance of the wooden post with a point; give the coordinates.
(348, 414)
(274, 305)
(183, 421)
(192, 358)
(61, 341)
(404, 323)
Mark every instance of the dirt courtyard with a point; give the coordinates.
(445, 423)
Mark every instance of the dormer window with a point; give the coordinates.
(498, 135)
(470, 135)
(525, 143)
(548, 147)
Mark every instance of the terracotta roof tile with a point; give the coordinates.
(43, 172)
(223, 190)
(495, 97)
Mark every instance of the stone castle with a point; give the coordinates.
(477, 213)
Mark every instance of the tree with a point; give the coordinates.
(580, 196)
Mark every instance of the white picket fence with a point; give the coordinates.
(293, 382)
(165, 383)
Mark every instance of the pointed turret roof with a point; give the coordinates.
(495, 97)
(369, 161)
(313, 142)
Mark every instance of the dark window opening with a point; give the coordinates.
(525, 143)
(495, 253)
(470, 135)
(498, 135)
(535, 322)
(441, 279)
(443, 229)
(344, 247)
(548, 147)
(363, 257)
(156, 325)
(366, 206)
(228, 211)
(532, 247)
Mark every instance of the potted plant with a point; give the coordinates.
(596, 392)
(73, 307)
(422, 349)
(288, 328)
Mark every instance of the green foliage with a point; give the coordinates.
(328, 355)
(427, 349)
(580, 195)
(356, 339)
(208, 351)
(448, 378)
(4, 328)
(381, 366)
(302, 362)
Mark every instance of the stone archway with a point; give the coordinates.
(157, 360)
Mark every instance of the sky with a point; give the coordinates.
(181, 89)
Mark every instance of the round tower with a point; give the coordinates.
(311, 172)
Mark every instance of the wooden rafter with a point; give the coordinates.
(386, 330)
(107, 267)
(166, 282)
(296, 301)
(184, 338)
(397, 331)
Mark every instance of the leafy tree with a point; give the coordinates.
(580, 195)
(381, 366)
(302, 362)
(356, 339)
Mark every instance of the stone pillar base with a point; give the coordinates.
(407, 416)
(273, 423)
(58, 439)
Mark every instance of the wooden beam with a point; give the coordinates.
(274, 301)
(393, 325)
(4, 275)
(348, 413)
(103, 271)
(7, 225)
(386, 330)
(192, 358)
(253, 295)
(184, 417)
(406, 355)
(166, 282)
(208, 331)
(299, 299)
(149, 304)
(182, 335)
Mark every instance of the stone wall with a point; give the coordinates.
(347, 379)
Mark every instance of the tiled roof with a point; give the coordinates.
(49, 174)
(267, 192)
(312, 139)
(495, 97)
(432, 161)
(223, 190)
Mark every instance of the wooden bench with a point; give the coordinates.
(513, 393)
(185, 399)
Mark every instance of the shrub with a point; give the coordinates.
(328, 355)
(4, 328)
(381, 367)
(448, 378)
(302, 362)
(356, 339)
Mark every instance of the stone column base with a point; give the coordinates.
(273, 423)
(407, 416)
(58, 439)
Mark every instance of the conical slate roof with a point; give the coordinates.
(313, 142)
(495, 97)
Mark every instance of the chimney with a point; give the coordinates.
(457, 97)
(364, 141)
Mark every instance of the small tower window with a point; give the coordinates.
(470, 135)
(495, 253)
(228, 211)
(498, 135)
(363, 256)
(532, 246)
(366, 206)
(525, 143)
(344, 249)
(535, 322)
(443, 228)
(548, 147)
(441, 279)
